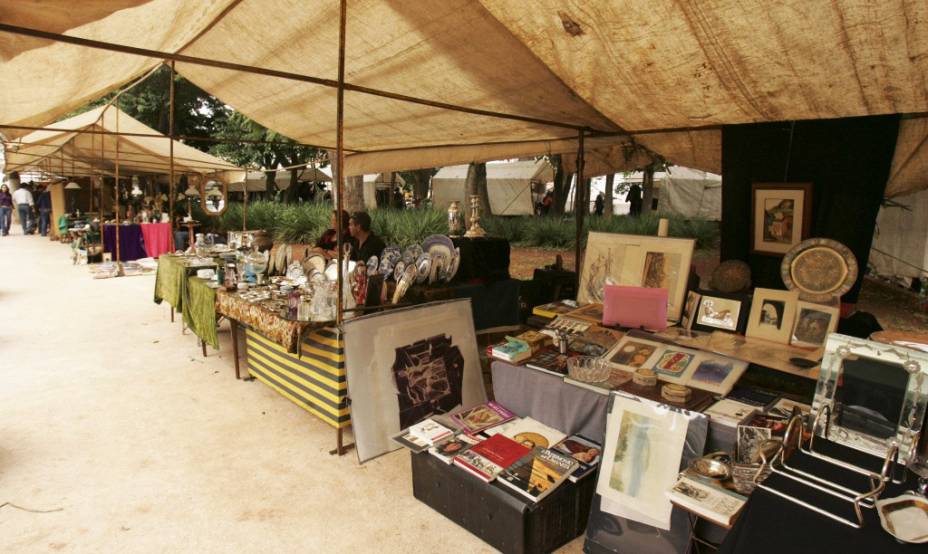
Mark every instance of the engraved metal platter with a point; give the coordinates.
(819, 269)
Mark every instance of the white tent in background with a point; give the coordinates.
(379, 181)
(690, 193)
(900, 243)
(509, 185)
(257, 179)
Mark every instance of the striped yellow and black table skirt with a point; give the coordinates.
(316, 382)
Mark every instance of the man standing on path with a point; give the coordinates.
(44, 205)
(634, 198)
(23, 200)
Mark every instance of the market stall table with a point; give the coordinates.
(303, 361)
(158, 237)
(131, 242)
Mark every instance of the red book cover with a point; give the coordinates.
(488, 458)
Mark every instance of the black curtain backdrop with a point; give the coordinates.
(846, 160)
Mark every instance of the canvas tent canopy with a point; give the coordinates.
(67, 151)
(256, 180)
(546, 70)
(509, 186)
(690, 193)
(900, 243)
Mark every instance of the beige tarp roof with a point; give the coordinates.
(509, 185)
(900, 243)
(65, 152)
(603, 64)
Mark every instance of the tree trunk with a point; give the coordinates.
(607, 197)
(647, 187)
(354, 194)
(561, 185)
(293, 191)
(581, 197)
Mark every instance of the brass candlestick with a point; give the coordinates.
(475, 229)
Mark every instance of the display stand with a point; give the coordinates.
(499, 516)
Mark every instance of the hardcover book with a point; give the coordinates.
(512, 350)
(410, 442)
(482, 416)
(536, 340)
(553, 309)
(549, 360)
(489, 458)
(587, 453)
(530, 433)
(538, 473)
(730, 412)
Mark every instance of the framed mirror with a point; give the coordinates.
(214, 197)
(871, 396)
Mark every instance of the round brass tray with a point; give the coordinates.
(819, 269)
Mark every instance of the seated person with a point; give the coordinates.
(367, 244)
(328, 242)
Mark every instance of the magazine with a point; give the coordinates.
(538, 473)
(586, 452)
(483, 416)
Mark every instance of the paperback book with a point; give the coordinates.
(487, 459)
(483, 416)
(511, 350)
(704, 498)
(447, 449)
(586, 452)
(538, 473)
(429, 431)
(554, 309)
(409, 441)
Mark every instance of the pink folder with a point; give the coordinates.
(635, 307)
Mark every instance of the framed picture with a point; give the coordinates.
(409, 364)
(689, 309)
(721, 312)
(673, 363)
(781, 216)
(749, 441)
(716, 374)
(814, 322)
(636, 261)
(772, 315)
(632, 353)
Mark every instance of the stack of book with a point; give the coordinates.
(512, 351)
(707, 498)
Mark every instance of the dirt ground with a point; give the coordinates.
(894, 307)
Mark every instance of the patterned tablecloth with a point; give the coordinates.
(171, 279)
(280, 330)
(200, 310)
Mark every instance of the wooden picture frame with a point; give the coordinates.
(636, 261)
(719, 311)
(781, 216)
(773, 313)
(814, 322)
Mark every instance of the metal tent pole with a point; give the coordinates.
(579, 203)
(171, 143)
(340, 157)
(118, 257)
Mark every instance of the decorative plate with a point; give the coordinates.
(408, 278)
(289, 251)
(399, 270)
(411, 254)
(905, 517)
(279, 266)
(423, 267)
(438, 269)
(438, 244)
(455, 265)
(314, 261)
(819, 269)
(372, 264)
(388, 259)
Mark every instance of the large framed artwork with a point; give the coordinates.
(408, 364)
(781, 216)
(636, 261)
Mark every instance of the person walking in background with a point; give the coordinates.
(600, 204)
(634, 198)
(44, 205)
(547, 202)
(6, 210)
(23, 200)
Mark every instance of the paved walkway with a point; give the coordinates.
(114, 423)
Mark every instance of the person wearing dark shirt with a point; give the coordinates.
(367, 244)
(327, 245)
(44, 206)
(600, 204)
(6, 209)
(634, 198)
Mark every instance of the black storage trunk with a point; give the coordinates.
(499, 516)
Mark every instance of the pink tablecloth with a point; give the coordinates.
(158, 238)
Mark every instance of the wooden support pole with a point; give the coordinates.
(580, 204)
(118, 258)
(340, 161)
(171, 142)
